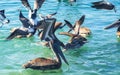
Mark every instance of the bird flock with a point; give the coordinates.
(46, 28)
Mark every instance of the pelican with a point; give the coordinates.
(24, 31)
(42, 63)
(25, 22)
(76, 41)
(45, 63)
(115, 24)
(3, 19)
(104, 4)
(83, 31)
(33, 12)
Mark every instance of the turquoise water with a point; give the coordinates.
(100, 56)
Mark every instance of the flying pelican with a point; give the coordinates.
(115, 24)
(83, 31)
(3, 19)
(44, 63)
(104, 4)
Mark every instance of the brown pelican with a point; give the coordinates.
(3, 19)
(76, 41)
(44, 63)
(83, 31)
(104, 4)
(47, 63)
(115, 24)
(29, 25)
(27, 30)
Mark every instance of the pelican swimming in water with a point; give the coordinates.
(3, 19)
(104, 4)
(42, 63)
(45, 63)
(29, 25)
(27, 30)
(115, 24)
(76, 41)
(83, 31)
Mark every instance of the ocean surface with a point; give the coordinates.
(100, 56)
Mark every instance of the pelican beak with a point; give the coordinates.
(47, 28)
(115, 24)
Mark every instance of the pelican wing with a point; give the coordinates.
(24, 20)
(81, 20)
(2, 11)
(38, 4)
(69, 24)
(98, 3)
(15, 33)
(50, 15)
(67, 34)
(57, 25)
(115, 24)
(26, 4)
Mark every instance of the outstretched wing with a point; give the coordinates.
(69, 25)
(115, 24)
(78, 24)
(98, 2)
(24, 20)
(38, 4)
(15, 33)
(50, 15)
(26, 4)
(81, 20)
(67, 34)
